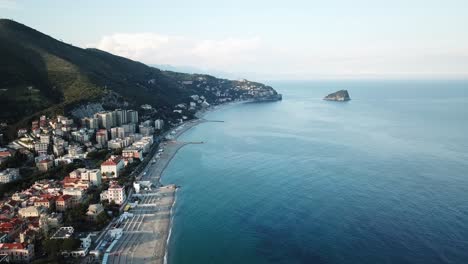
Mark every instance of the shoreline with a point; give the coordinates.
(156, 171)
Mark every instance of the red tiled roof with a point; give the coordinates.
(11, 246)
(64, 198)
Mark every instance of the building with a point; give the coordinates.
(44, 138)
(117, 132)
(133, 152)
(118, 143)
(132, 116)
(41, 147)
(129, 129)
(146, 129)
(44, 202)
(90, 123)
(44, 165)
(111, 167)
(115, 193)
(63, 203)
(75, 192)
(17, 252)
(159, 124)
(29, 211)
(105, 119)
(93, 211)
(9, 175)
(101, 137)
(121, 116)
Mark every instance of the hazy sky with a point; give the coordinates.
(267, 39)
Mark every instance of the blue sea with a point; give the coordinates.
(380, 179)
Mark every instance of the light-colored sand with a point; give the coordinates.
(146, 233)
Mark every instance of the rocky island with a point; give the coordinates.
(340, 96)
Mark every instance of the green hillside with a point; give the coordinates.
(38, 72)
(41, 75)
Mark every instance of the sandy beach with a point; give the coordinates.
(146, 231)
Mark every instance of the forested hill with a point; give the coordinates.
(39, 74)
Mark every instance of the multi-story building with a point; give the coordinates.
(44, 202)
(17, 252)
(90, 123)
(63, 202)
(105, 119)
(101, 137)
(121, 116)
(129, 129)
(146, 130)
(45, 139)
(132, 116)
(75, 150)
(75, 193)
(133, 152)
(93, 211)
(41, 147)
(159, 124)
(95, 177)
(44, 164)
(29, 211)
(111, 167)
(115, 193)
(117, 132)
(9, 175)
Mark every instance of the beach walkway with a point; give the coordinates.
(146, 232)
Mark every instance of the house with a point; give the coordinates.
(44, 165)
(47, 221)
(17, 252)
(93, 211)
(133, 152)
(5, 153)
(9, 175)
(75, 193)
(29, 211)
(111, 167)
(12, 227)
(115, 193)
(44, 202)
(63, 203)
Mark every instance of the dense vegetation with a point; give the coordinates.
(39, 73)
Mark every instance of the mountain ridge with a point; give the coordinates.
(41, 74)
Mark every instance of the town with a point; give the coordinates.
(65, 179)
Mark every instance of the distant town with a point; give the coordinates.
(64, 179)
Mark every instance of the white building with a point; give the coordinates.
(111, 167)
(9, 175)
(115, 193)
(158, 124)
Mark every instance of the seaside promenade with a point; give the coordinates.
(146, 230)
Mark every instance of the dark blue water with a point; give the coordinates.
(380, 179)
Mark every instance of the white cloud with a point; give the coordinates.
(255, 58)
(8, 4)
(155, 48)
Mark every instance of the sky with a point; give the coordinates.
(257, 39)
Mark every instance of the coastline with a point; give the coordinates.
(154, 174)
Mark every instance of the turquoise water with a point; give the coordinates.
(380, 179)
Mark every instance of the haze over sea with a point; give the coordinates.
(380, 179)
